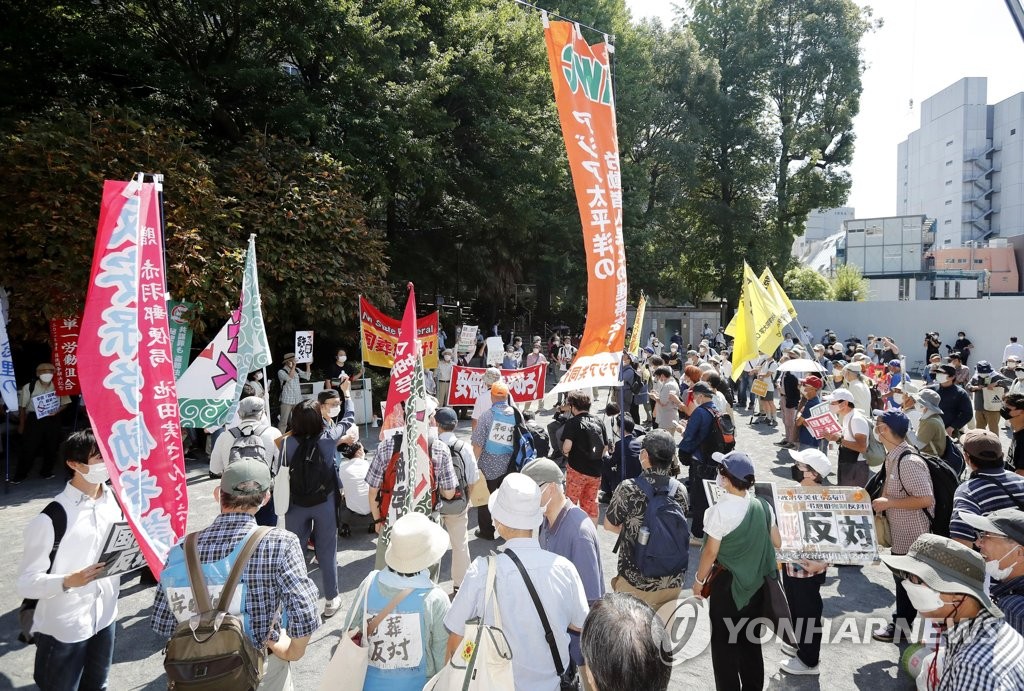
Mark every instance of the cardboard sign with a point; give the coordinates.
(524, 385)
(121, 552)
(764, 490)
(303, 347)
(467, 339)
(759, 388)
(823, 426)
(46, 404)
(495, 351)
(832, 524)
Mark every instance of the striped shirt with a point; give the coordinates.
(986, 491)
(1009, 596)
(982, 653)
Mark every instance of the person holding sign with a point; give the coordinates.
(39, 423)
(76, 610)
(291, 394)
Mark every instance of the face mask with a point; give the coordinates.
(897, 398)
(1004, 413)
(720, 481)
(342, 358)
(942, 378)
(1020, 375)
(993, 570)
(874, 433)
(798, 473)
(333, 411)
(46, 377)
(97, 475)
(923, 598)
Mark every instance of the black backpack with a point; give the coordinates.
(593, 444)
(248, 445)
(541, 441)
(944, 483)
(457, 504)
(311, 479)
(26, 615)
(636, 385)
(523, 448)
(717, 440)
(666, 551)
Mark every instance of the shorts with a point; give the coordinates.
(582, 490)
(769, 396)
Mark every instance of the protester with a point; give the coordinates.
(464, 465)
(76, 613)
(584, 441)
(963, 373)
(291, 394)
(854, 382)
(403, 589)
(255, 380)
(790, 399)
(1016, 374)
(492, 446)
(516, 508)
(1000, 538)
(852, 440)
(534, 358)
(741, 536)
(483, 400)
(444, 376)
(988, 387)
(809, 387)
(235, 444)
(1013, 349)
(701, 438)
(946, 583)
(764, 370)
(40, 436)
(623, 463)
(354, 507)
(989, 487)
(802, 580)
(626, 646)
(907, 496)
(666, 399)
(1013, 412)
(931, 430)
(953, 400)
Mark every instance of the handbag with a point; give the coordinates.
(883, 535)
(346, 670)
(478, 492)
(716, 570)
(483, 661)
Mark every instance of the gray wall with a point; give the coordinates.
(988, 322)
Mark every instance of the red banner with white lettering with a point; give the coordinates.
(525, 385)
(581, 76)
(127, 372)
(380, 336)
(64, 344)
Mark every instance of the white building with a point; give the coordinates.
(816, 248)
(825, 222)
(964, 167)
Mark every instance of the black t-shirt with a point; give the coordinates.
(1016, 452)
(579, 456)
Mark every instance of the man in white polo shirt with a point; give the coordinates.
(852, 440)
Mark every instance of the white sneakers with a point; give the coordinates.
(794, 665)
(331, 607)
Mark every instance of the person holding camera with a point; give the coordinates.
(932, 343)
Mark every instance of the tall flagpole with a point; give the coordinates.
(367, 394)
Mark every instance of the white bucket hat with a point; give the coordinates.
(517, 503)
(416, 543)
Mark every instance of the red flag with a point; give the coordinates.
(402, 370)
(127, 372)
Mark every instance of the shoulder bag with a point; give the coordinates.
(775, 607)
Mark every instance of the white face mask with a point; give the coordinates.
(46, 377)
(333, 411)
(897, 398)
(923, 598)
(993, 570)
(97, 475)
(942, 378)
(447, 358)
(342, 358)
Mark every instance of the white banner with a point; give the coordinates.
(8, 385)
(303, 347)
(495, 351)
(589, 371)
(467, 339)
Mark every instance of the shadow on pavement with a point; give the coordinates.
(858, 594)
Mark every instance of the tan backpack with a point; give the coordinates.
(211, 651)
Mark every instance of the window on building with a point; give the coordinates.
(979, 261)
(946, 223)
(948, 202)
(905, 289)
(949, 163)
(1013, 132)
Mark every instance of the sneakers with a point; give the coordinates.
(795, 666)
(789, 650)
(331, 607)
(886, 635)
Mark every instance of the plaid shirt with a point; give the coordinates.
(444, 471)
(906, 525)
(982, 653)
(275, 579)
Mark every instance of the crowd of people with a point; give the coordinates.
(293, 488)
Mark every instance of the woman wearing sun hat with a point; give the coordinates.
(408, 646)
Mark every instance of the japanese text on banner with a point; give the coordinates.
(524, 385)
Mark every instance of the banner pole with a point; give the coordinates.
(7, 451)
(622, 424)
(362, 364)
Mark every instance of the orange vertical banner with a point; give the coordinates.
(586, 109)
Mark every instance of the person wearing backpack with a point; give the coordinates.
(989, 487)
(907, 498)
(584, 442)
(273, 579)
(647, 514)
(253, 437)
(455, 521)
(75, 607)
(701, 438)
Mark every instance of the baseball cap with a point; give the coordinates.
(1007, 523)
(895, 363)
(250, 406)
(499, 388)
(737, 463)
(982, 444)
(812, 381)
(446, 416)
(242, 471)
(703, 389)
(840, 395)
(895, 420)
(542, 471)
(814, 458)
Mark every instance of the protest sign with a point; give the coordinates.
(380, 336)
(46, 404)
(823, 426)
(303, 347)
(64, 341)
(181, 334)
(819, 409)
(525, 385)
(121, 552)
(467, 339)
(407, 356)
(8, 384)
(764, 490)
(833, 524)
(495, 351)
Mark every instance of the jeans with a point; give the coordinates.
(320, 520)
(68, 666)
(743, 395)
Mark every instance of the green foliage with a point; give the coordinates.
(804, 283)
(849, 285)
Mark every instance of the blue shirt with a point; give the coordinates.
(982, 494)
(1009, 596)
(697, 430)
(632, 466)
(805, 436)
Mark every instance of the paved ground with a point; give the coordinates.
(850, 592)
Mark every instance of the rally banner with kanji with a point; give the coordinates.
(524, 385)
(380, 336)
(126, 371)
(833, 524)
(208, 392)
(406, 355)
(8, 384)
(638, 326)
(586, 109)
(181, 334)
(64, 344)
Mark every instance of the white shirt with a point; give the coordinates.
(726, 516)
(79, 613)
(853, 424)
(352, 474)
(1013, 349)
(561, 595)
(482, 405)
(861, 396)
(468, 457)
(222, 449)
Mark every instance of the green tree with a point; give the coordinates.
(849, 285)
(804, 283)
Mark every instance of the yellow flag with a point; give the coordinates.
(741, 329)
(786, 311)
(638, 324)
(767, 324)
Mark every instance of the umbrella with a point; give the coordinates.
(802, 365)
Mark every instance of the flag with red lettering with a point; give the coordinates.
(126, 370)
(64, 344)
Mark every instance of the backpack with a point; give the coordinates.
(637, 384)
(667, 550)
(875, 454)
(211, 651)
(311, 479)
(457, 504)
(593, 438)
(523, 448)
(248, 445)
(954, 456)
(26, 614)
(944, 484)
(718, 439)
(541, 440)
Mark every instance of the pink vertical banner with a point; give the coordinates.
(126, 368)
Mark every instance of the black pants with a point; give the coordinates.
(698, 499)
(737, 663)
(483, 514)
(804, 596)
(905, 612)
(41, 438)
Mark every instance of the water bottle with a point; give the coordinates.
(643, 536)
